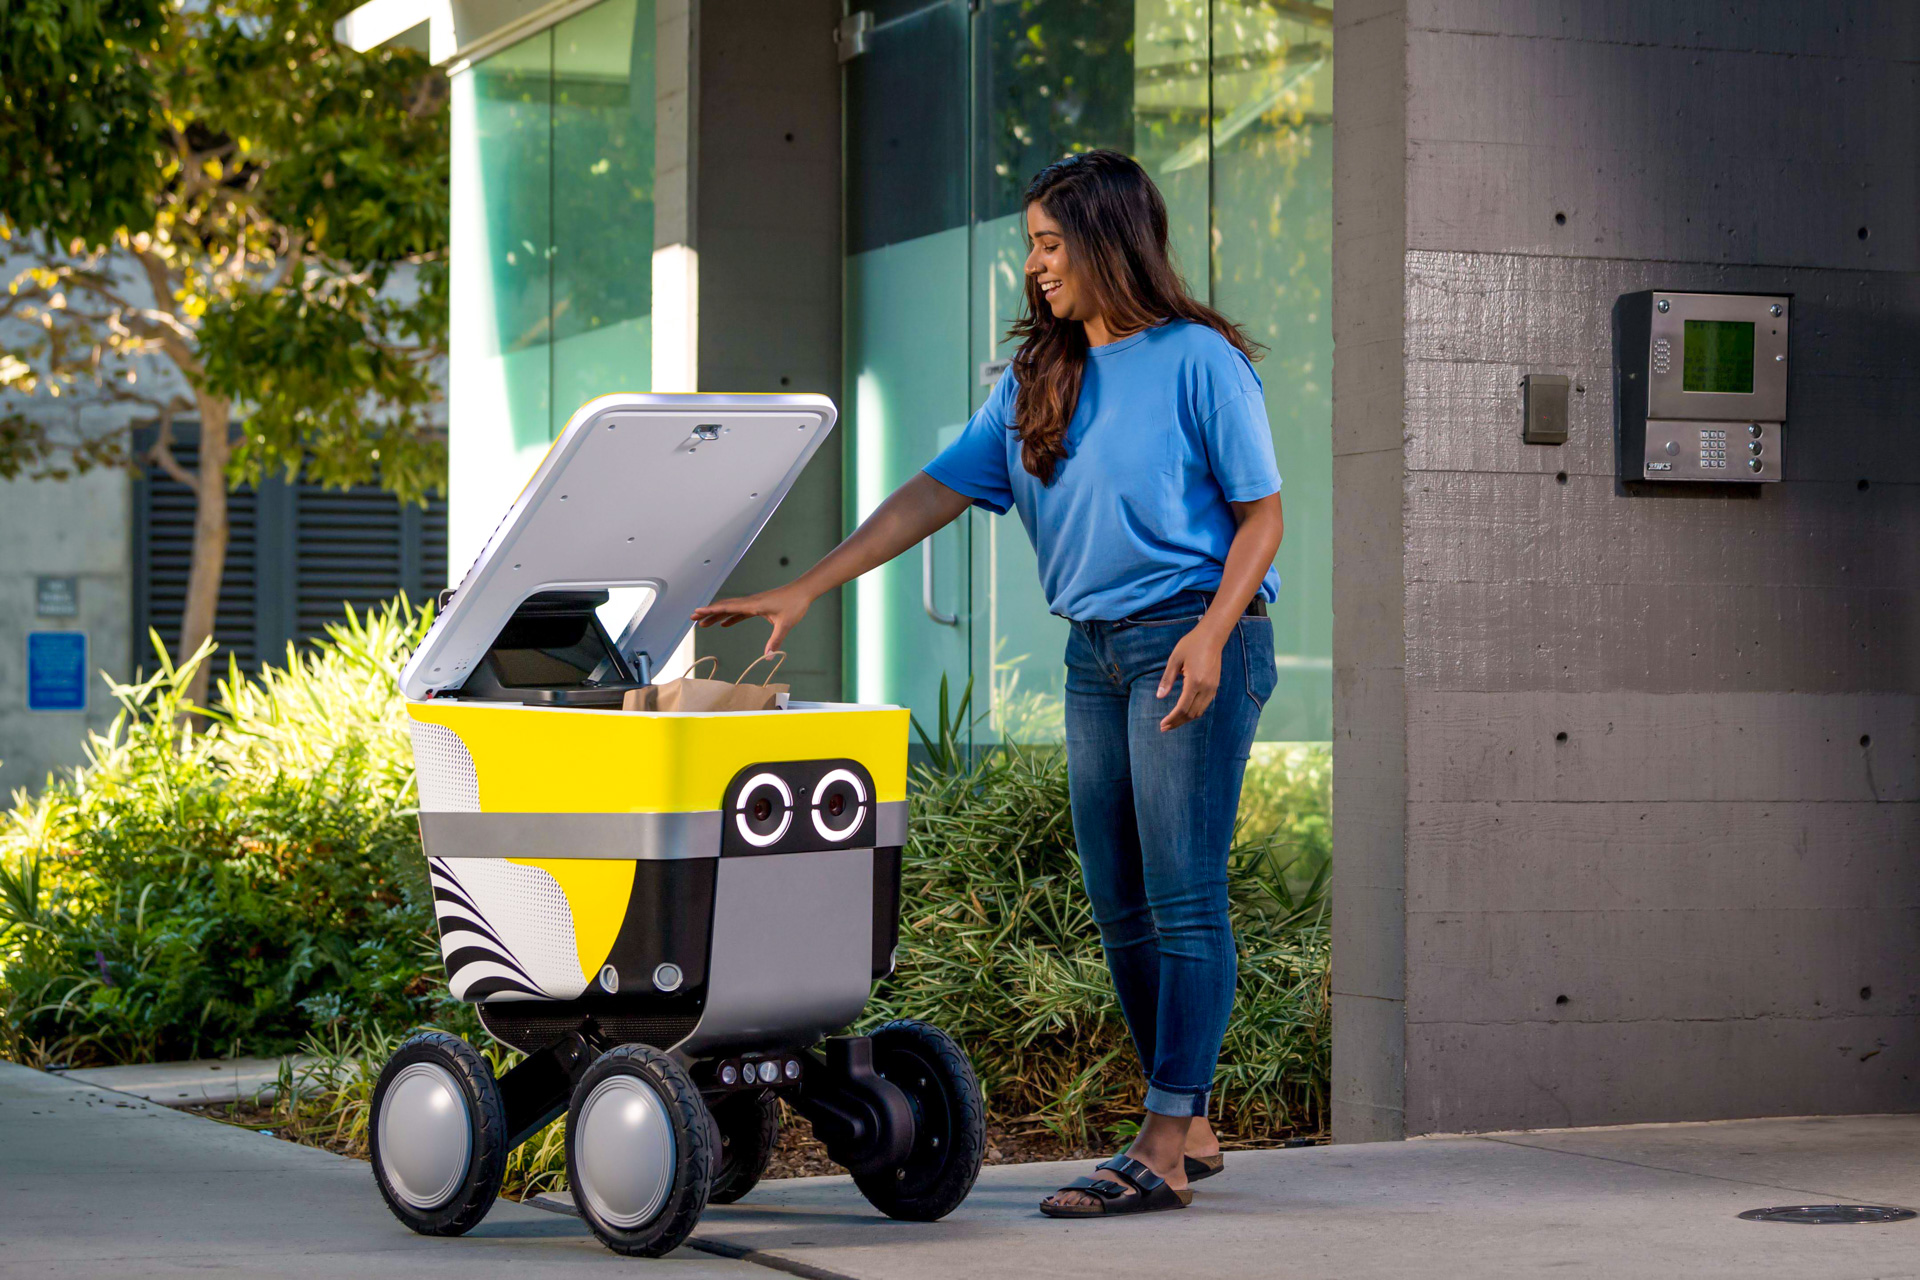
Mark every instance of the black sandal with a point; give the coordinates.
(1202, 1167)
(1140, 1190)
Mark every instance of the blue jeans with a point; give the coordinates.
(1153, 814)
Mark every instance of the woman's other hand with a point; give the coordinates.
(1195, 663)
(782, 606)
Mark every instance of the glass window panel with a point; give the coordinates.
(602, 183)
(1055, 76)
(906, 335)
(906, 125)
(1272, 271)
(552, 254)
(513, 130)
(1061, 76)
(499, 379)
(1227, 104)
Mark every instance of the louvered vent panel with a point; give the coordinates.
(347, 551)
(168, 554)
(296, 556)
(433, 549)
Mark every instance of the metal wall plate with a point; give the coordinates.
(1543, 397)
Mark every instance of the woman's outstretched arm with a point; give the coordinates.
(920, 507)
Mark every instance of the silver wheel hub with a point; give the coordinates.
(426, 1136)
(626, 1152)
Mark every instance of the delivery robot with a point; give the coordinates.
(665, 912)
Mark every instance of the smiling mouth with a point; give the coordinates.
(1049, 287)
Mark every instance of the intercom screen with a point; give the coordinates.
(559, 652)
(1718, 357)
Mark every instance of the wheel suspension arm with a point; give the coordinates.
(864, 1120)
(538, 1087)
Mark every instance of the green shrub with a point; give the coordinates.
(228, 882)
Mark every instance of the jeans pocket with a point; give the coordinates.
(1256, 645)
(1188, 623)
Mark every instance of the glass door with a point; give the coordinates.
(951, 109)
(910, 622)
(1053, 77)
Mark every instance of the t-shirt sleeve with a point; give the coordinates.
(975, 464)
(1239, 445)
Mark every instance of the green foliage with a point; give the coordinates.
(260, 880)
(76, 156)
(196, 891)
(256, 187)
(326, 1100)
(1287, 800)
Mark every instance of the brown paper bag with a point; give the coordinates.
(692, 693)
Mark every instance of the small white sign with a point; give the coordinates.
(56, 597)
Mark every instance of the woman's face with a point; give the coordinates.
(1061, 283)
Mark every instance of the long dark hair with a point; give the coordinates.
(1115, 226)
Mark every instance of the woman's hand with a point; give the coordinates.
(915, 510)
(782, 606)
(1195, 662)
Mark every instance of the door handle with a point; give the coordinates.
(926, 586)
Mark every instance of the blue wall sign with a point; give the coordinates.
(56, 671)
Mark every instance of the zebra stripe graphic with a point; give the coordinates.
(489, 915)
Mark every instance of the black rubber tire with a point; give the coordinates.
(749, 1125)
(692, 1150)
(487, 1158)
(950, 1125)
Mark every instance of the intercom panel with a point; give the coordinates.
(1700, 385)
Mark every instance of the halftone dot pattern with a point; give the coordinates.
(527, 910)
(448, 781)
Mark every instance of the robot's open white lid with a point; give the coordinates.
(664, 492)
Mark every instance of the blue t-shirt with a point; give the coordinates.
(1170, 428)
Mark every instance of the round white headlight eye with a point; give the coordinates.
(764, 809)
(839, 804)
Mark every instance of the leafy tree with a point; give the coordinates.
(218, 186)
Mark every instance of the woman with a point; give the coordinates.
(1131, 433)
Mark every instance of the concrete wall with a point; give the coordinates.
(767, 225)
(72, 528)
(80, 528)
(1628, 787)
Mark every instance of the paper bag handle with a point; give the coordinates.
(778, 655)
(695, 666)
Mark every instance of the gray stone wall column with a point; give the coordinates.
(1627, 785)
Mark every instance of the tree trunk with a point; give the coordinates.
(209, 537)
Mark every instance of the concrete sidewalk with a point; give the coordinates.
(95, 1183)
(1653, 1201)
(189, 1084)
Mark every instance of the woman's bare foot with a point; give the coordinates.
(1201, 1139)
(1161, 1145)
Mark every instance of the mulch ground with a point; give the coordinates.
(800, 1154)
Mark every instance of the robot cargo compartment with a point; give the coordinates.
(715, 951)
(495, 757)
